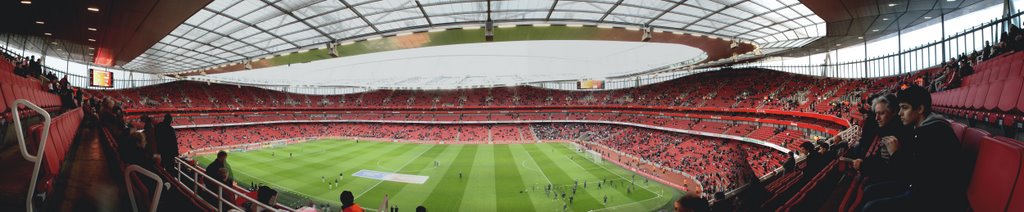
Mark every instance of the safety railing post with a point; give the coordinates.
(220, 199)
(37, 159)
(221, 189)
(177, 166)
(131, 192)
(195, 182)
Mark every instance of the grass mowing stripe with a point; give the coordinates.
(321, 190)
(303, 181)
(560, 178)
(568, 160)
(374, 196)
(656, 193)
(327, 160)
(531, 175)
(508, 180)
(414, 195)
(448, 194)
(588, 166)
(405, 160)
(481, 195)
(339, 164)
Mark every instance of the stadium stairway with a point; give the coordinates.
(90, 183)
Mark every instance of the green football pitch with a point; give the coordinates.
(500, 177)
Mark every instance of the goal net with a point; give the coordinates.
(595, 156)
(590, 154)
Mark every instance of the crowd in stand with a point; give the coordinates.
(951, 73)
(28, 67)
(718, 164)
(146, 141)
(726, 89)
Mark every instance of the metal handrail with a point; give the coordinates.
(156, 194)
(37, 159)
(220, 187)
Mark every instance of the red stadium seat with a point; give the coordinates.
(995, 174)
(1017, 197)
(983, 76)
(959, 128)
(1010, 93)
(995, 90)
(1016, 66)
(8, 92)
(998, 73)
(978, 94)
(948, 96)
(965, 93)
(971, 140)
(1020, 102)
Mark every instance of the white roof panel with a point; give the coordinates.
(228, 29)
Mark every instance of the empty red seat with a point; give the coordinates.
(1010, 93)
(947, 98)
(981, 78)
(1020, 102)
(1017, 197)
(8, 92)
(971, 140)
(943, 98)
(51, 161)
(1016, 66)
(1008, 70)
(978, 94)
(996, 74)
(961, 97)
(995, 174)
(958, 129)
(995, 91)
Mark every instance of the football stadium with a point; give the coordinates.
(512, 105)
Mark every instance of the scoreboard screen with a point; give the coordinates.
(590, 84)
(99, 78)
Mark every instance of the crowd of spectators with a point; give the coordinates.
(951, 73)
(728, 89)
(718, 164)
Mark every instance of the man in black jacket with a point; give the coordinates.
(167, 142)
(929, 158)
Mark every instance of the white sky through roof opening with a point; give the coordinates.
(476, 64)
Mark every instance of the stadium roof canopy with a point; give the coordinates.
(478, 64)
(196, 37)
(229, 32)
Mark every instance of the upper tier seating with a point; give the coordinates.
(742, 91)
(992, 94)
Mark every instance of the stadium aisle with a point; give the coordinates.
(90, 180)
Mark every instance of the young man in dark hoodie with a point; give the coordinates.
(890, 131)
(929, 160)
